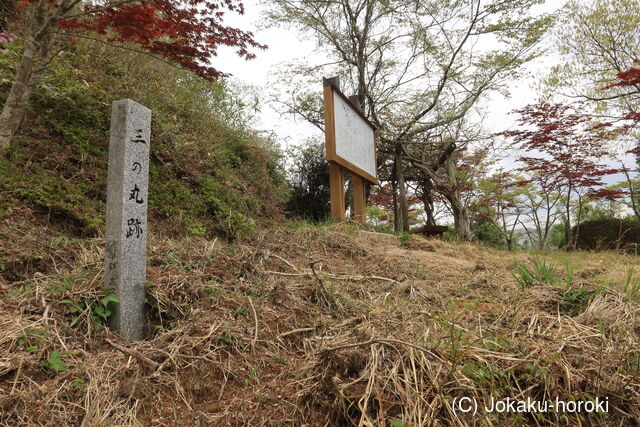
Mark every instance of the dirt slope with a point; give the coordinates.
(303, 325)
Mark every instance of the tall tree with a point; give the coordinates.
(417, 67)
(500, 204)
(569, 149)
(309, 178)
(598, 40)
(183, 32)
(542, 197)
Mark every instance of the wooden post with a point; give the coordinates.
(359, 201)
(336, 190)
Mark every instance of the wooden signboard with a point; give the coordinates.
(350, 145)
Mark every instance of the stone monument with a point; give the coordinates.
(127, 194)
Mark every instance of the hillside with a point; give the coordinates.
(210, 172)
(313, 325)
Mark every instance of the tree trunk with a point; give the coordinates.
(568, 233)
(460, 218)
(574, 236)
(633, 196)
(348, 196)
(427, 201)
(402, 192)
(460, 214)
(19, 94)
(394, 187)
(27, 76)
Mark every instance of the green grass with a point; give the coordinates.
(210, 173)
(631, 286)
(541, 272)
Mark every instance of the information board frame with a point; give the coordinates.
(330, 90)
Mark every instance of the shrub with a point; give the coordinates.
(309, 178)
(608, 233)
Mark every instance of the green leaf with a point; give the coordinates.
(397, 423)
(55, 362)
(109, 298)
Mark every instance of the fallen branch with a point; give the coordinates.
(286, 262)
(295, 331)
(387, 341)
(135, 354)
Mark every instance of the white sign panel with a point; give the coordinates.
(354, 137)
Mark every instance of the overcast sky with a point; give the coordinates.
(286, 45)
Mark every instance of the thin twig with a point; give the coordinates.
(286, 262)
(255, 321)
(387, 341)
(295, 331)
(15, 380)
(134, 353)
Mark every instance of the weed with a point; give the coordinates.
(281, 360)
(176, 416)
(542, 272)
(79, 383)
(61, 241)
(189, 266)
(54, 362)
(226, 339)
(99, 309)
(252, 375)
(103, 309)
(31, 339)
(631, 287)
(213, 291)
(173, 258)
(58, 288)
(568, 275)
(574, 301)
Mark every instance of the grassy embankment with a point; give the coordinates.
(210, 172)
(306, 324)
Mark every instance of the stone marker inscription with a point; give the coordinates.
(127, 194)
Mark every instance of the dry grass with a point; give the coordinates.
(314, 326)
